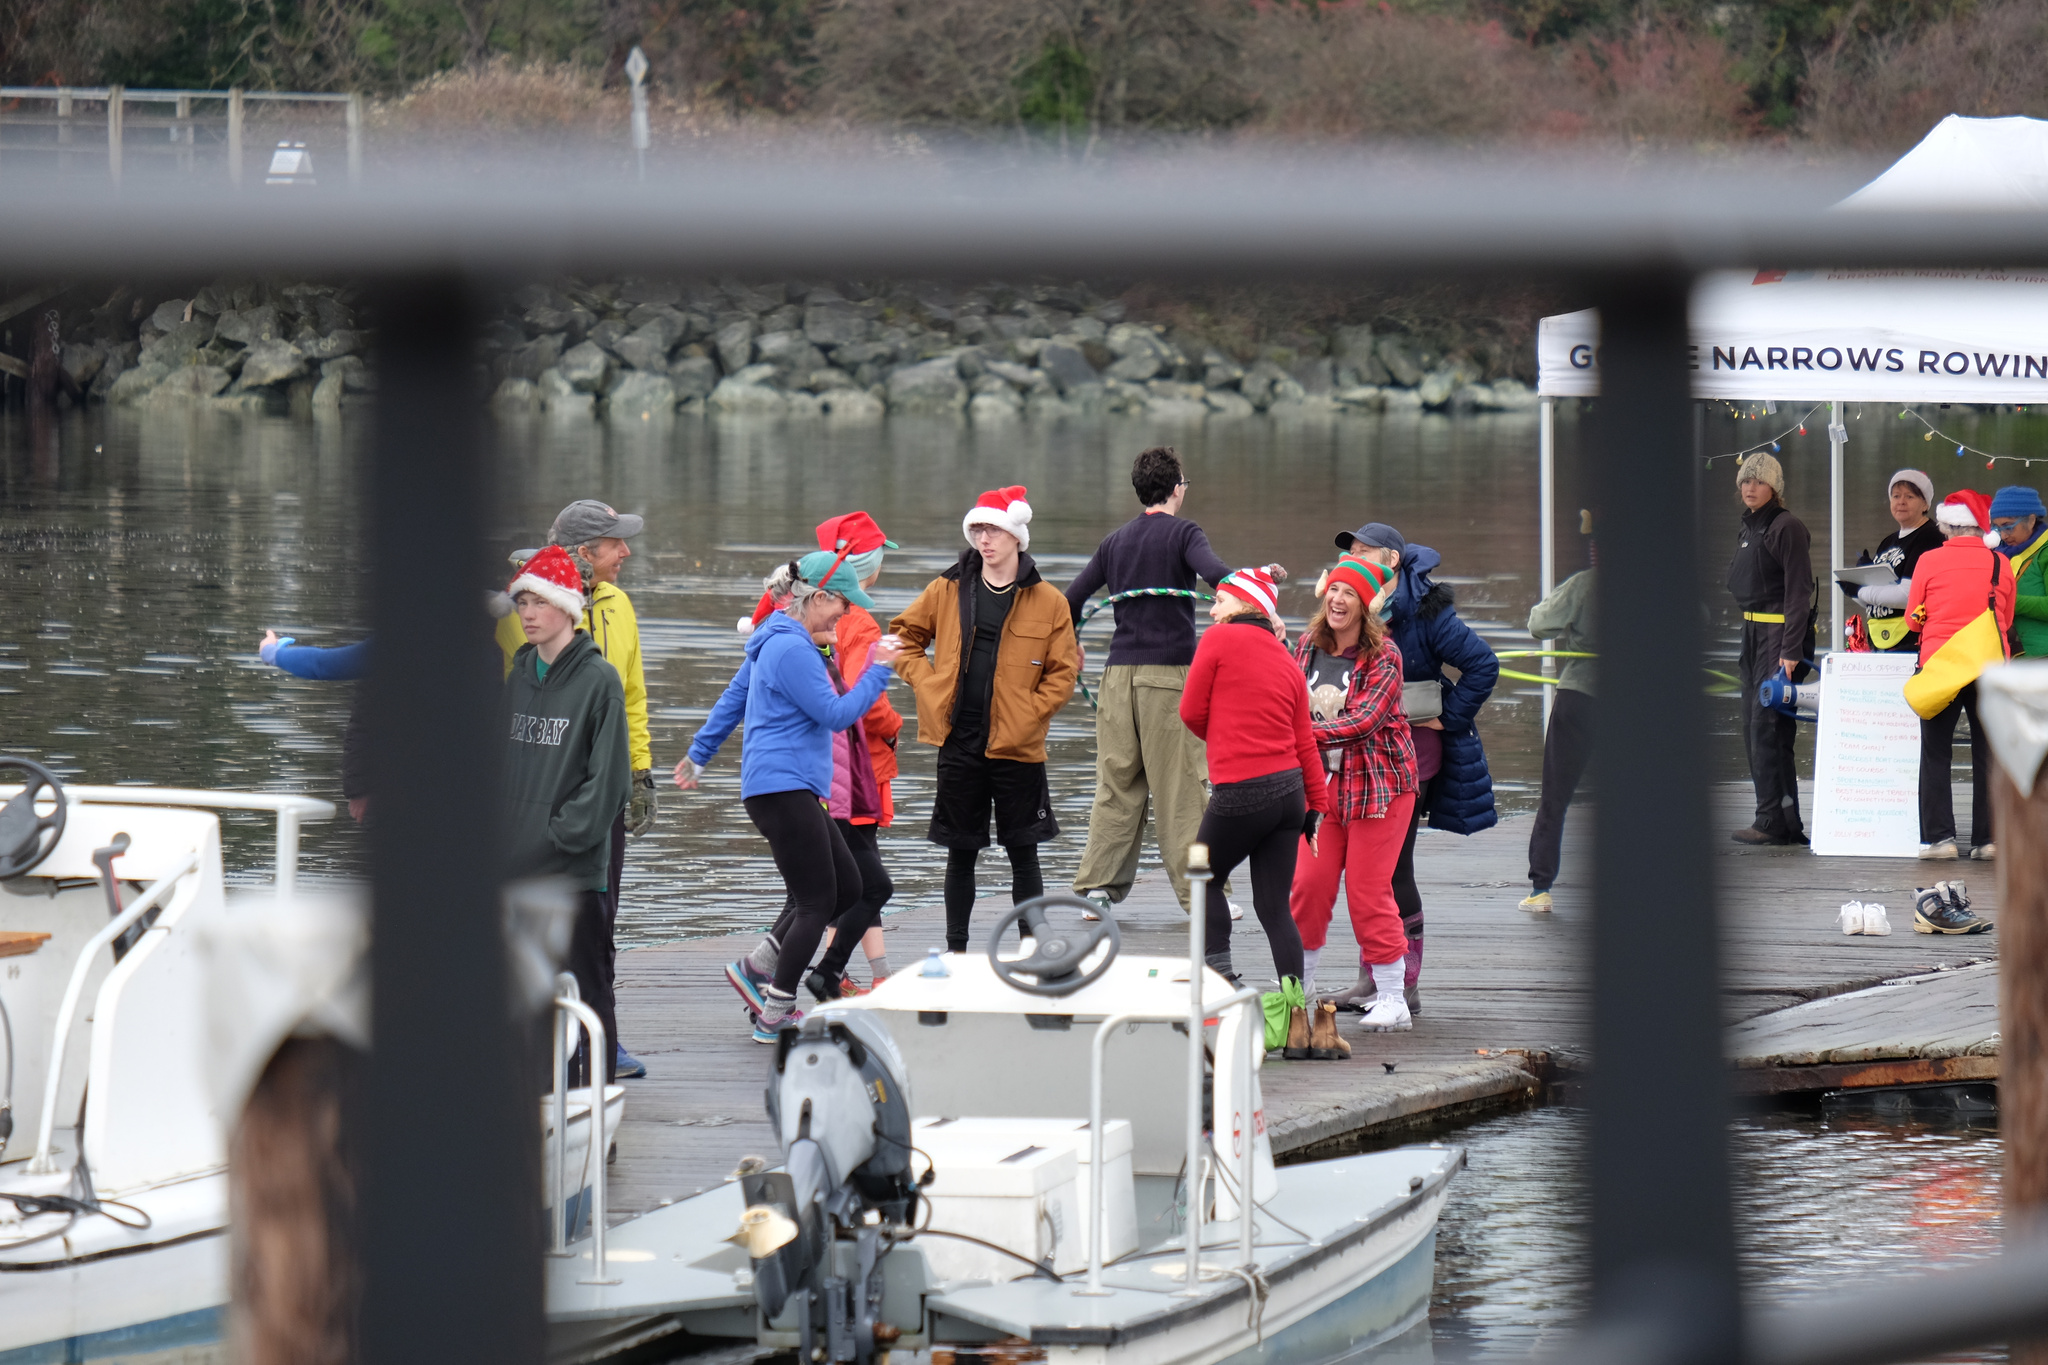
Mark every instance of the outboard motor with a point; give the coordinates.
(1801, 701)
(815, 1229)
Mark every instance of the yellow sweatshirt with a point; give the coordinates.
(615, 630)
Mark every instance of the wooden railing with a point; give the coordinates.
(108, 130)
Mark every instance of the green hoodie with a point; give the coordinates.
(566, 770)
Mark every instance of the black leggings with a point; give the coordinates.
(1270, 838)
(866, 913)
(1026, 882)
(816, 866)
(1406, 894)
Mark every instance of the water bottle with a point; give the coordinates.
(934, 964)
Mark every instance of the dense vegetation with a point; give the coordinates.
(1863, 74)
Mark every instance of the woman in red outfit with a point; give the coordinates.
(1244, 696)
(1347, 650)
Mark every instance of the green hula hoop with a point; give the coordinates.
(1088, 614)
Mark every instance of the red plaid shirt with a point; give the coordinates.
(1372, 729)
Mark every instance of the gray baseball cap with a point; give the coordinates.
(588, 519)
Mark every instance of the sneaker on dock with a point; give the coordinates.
(777, 1016)
(1103, 907)
(1941, 851)
(1935, 913)
(1984, 853)
(1536, 903)
(625, 1065)
(1236, 910)
(1388, 1014)
(749, 983)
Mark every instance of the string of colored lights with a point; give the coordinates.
(1965, 448)
(1769, 442)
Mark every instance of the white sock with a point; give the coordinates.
(1388, 980)
(1308, 970)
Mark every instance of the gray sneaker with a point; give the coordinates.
(1941, 851)
(1933, 913)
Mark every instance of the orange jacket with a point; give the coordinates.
(854, 639)
(1952, 585)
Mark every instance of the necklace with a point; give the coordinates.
(1003, 591)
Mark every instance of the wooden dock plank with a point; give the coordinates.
(1494, 979)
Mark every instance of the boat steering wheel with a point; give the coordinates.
(1054, 964)
(21, 830)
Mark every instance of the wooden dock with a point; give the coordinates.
(1504, 998)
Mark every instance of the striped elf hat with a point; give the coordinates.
(1259, 586)
(1364, 577)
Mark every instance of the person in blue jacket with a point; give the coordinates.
(339, 663)
(791, 711)
(1455, 791)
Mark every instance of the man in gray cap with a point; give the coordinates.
(595, 536)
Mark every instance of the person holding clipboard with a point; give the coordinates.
(1883, 600)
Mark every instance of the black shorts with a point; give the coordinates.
(970, 783)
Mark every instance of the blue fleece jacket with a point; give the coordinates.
(339, 664)
(1424, 622)
(791, 712)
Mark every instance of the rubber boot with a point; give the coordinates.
(1357, 998)
(1325, 1044)
(1413, 985)
(1297, 1049)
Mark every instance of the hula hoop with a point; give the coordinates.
(1088, 614)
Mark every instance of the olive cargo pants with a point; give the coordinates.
(1142, 748)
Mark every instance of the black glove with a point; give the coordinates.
(1310, 823)
(1849, 590)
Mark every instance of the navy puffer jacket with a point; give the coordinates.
(1423, 618)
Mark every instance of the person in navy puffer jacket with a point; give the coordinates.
(1455, 791)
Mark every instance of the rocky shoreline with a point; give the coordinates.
(641, 350)
(638, 350)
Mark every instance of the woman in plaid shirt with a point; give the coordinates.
(1353, 672)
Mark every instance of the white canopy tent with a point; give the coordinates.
(1891, 336)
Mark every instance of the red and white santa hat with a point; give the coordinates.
(1259, 586)
(1004, 509)
(553, 577)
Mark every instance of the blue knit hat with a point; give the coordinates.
(2017, 500)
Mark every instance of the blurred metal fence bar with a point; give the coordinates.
(452, 1226)
(183, 125)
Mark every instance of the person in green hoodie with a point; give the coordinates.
(567, 765)
(2021, 522)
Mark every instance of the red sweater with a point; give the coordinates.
(1951, 588)
(1245, 696)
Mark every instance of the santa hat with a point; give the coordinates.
(1965, 507)
(1258, 586)
(553, 577)
(1004, 509)
(854, 532)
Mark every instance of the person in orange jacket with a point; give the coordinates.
(1952, 587)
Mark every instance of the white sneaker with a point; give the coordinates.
(1388, 1014)
(1100, 900)
(1875, 921)
(1943, 851)
(1851, 917)
(1236, 910)
(1984, 853)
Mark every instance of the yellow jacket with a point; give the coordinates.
(615, 630)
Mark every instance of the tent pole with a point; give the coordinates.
(1838, 436)
(1546, 536)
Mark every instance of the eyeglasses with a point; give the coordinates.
(2003, 526)
(1183, 483)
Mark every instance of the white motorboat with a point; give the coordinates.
(996, 1164)
(140, 997)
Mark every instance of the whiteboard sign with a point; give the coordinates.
(1866, 765)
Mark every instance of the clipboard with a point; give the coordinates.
(1867, 576)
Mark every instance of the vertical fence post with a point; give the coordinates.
(64, 128)
(1663, 1252)
(355, 139)
(453, 1230)
(182, 134)
(114, 101)
(1546, 526)
(2021, 823)
(235, 138)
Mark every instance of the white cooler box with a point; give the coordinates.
(987, 1155)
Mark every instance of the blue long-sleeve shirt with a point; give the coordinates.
(342, 663)
(791, 711)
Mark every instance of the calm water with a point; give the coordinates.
(1821, 1205)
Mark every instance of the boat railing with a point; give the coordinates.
(150, 899)
(1098, 1185)
(568, 1003)
(291, 811)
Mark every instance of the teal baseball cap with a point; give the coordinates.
(843, 580)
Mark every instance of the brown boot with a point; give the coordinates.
(1297, 1049)
(1325, 1044)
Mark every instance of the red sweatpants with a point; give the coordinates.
(1363, 852)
